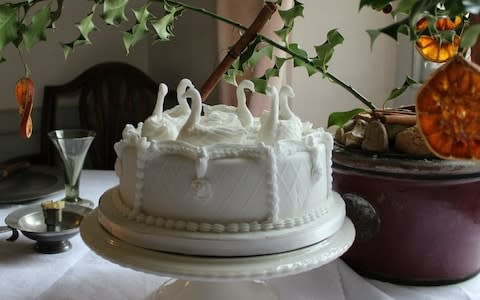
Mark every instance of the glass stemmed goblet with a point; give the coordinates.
(73, 145)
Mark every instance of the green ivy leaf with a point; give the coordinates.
(279, 61)
(8, 27)
(260, 84)
(247, 53)
(232, 73)
(86, 26)
(404, 7)
(399, 91)
(297, 62)
(36, 31)
(272, 72)
(114, 11)
(295, 48)
(325, 51)
(265, 51)
(164, 26)
(69, 47)
(288, 18)
(470, 36)
(340, 118)
(391, 30)
(139, 30)
(456, 8)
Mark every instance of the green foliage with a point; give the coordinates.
(8, 27)
(86, 26)
(114, 11)
(325, 51)
(164, 26)
(340, 118)
(470, 36)
(399, 91)
(140, 30)
(36, 31)
(23, 23)
(288, 17)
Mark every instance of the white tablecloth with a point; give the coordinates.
(81, 274)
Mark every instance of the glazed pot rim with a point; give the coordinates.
(398, 166)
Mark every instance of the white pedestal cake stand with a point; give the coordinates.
(215, 278)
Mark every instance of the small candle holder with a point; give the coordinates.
(53, 214)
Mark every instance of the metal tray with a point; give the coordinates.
(33, 183)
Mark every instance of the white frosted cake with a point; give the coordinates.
(223, 183)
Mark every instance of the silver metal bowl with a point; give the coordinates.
(31, 222)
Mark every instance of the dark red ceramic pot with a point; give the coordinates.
(417, 221)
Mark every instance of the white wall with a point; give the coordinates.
(370, 71)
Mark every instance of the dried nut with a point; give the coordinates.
(376, 138)
(393, 130)
(352, 140)
(410, 141)
(364, 116)
(359, 128)
(340, 135)
(349, 125)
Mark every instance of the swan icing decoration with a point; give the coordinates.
(179, 114)
(269, 120)
(273, 128)
(285, 113)
(204, 133)
(243, 112)
(228, 112)
(159, 126)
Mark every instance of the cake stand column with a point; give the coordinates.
(207, 290)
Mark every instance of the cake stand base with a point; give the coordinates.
(215, 278)
(202, 290)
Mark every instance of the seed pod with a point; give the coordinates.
(25, 92)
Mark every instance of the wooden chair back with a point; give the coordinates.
(108, 96)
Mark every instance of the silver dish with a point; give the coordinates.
(30, 221)
(35, 182)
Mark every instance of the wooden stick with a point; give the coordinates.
(397, 118)
(247, 37)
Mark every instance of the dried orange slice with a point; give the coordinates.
(433, 49)
(448, 110)
(442, 23)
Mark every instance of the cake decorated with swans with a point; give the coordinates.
(216, 181)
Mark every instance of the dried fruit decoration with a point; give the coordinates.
(25, 92)
(432, 46)
(448, 110)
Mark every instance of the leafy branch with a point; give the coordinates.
(13, 30)
(24, 29)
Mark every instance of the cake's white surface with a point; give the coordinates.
(179, 237)
(271, 184)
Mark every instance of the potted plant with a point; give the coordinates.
(435, 240)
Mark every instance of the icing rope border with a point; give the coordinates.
(190, 226)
